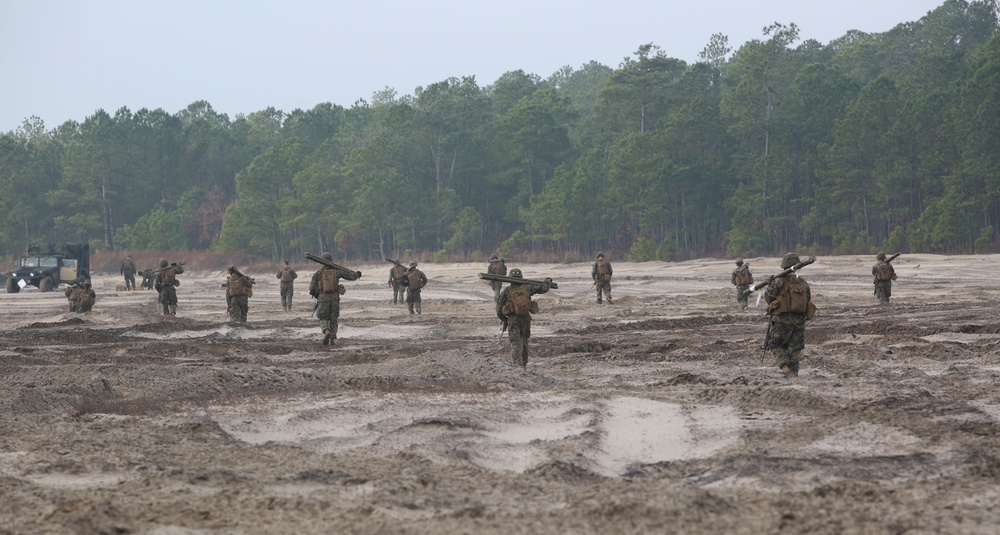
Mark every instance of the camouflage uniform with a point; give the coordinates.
(786, 330)
(883, 278)
(742, 279)
(601, 273)
(73, 295)
(518, 326)
(287, 275)
(128, 271)
(86, 298)
(324, 286)
(496, 267)
(166, 283)
(415, 280)
(396, 274)
(238, 292)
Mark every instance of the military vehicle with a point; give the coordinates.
(47, 265)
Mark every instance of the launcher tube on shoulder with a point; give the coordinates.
(249, 279)
(891, 258)
(515, 280)
(788, 271)
(331, 265)
(396, 262)
(171, 266)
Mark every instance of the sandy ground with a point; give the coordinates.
(651, 415)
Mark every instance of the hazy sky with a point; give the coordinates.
(64, 59)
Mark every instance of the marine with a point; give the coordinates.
(287, 276)
(601, 273)
(789, 301)
(166, 283)
(514, 308)
(326, 288)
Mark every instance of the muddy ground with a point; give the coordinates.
(654, 414)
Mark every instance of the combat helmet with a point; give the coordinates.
(163, 262)
(494, 257)
(413, 263)
(232, 269)
(600, 254)
(327, 256)
(739, 262)
(516, 273)
(789, 260)
(880, 256)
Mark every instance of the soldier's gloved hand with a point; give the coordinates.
(548, 281)
(359, 274)
(770, 280)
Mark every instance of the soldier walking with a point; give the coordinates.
(128, 271)
(788, 299)
(326, 288)
(287, 275)
(601, 273)
(514, 308)
(396, 274)
(497, 267)
(239, 289)
(415, 280)
(166, 283)
(742, 279)
(884, 274)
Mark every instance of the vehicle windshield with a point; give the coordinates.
(39, 261)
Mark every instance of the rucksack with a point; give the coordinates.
(414, 281)
(518, 301)
(794, 297)
(328, 280)
(883, 272)
(796, 292)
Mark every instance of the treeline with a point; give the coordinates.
(888, 140)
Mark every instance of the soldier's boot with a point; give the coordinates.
(410, 307)
(173, 310)
(609, 299)
(166, 310)
(418, 308)
(328, 337)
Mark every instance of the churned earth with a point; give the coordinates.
(654, 414)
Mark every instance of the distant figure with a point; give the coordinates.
(601, 273)
(742, 278)
(497, 267)
(514, 308)
(788, 299)
(87, 298)
(238, 291)
(73, 296)
(396, 274)
(148, 278)
(287, 275)
(128, 271)
(326, 288)
(166, 284)
(81, 297)
(884, 274)
(415, 280)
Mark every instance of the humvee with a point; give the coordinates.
(47, 265)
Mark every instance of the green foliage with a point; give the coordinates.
(643, 250)
(887, 139)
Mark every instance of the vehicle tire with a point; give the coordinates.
(45, 285)
(12, 287)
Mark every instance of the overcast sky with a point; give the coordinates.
(64, 59)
